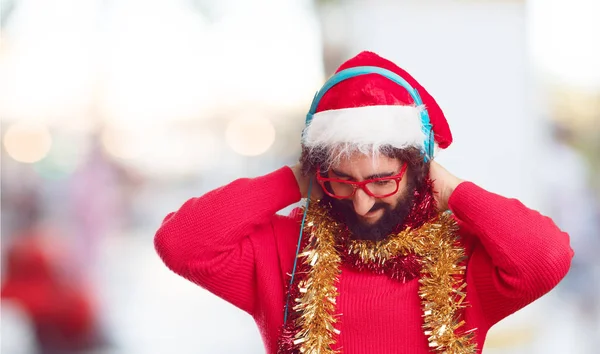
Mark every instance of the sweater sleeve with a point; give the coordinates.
(521, 254)
(209, 239)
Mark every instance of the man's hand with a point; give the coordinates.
(444, 184)
(303, 183)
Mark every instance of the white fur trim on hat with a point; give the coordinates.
(366, 128)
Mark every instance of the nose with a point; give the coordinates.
(362, 202)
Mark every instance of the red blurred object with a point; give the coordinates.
(61, 309)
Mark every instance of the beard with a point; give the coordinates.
(391, 220)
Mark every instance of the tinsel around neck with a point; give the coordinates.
(427, 247)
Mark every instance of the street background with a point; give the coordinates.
(116, 112)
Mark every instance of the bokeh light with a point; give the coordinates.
(27, 142)
(250, 135)
(123, 143)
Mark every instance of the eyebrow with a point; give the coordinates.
(377, 175)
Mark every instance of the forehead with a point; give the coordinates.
(359, 164)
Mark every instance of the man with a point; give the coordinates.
(375, 263)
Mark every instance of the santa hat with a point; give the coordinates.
(370, 103)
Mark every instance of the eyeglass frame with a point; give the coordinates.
(362, 185)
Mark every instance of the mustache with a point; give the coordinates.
(378, 206)
(348, 205)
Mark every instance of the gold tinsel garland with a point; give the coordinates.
(441, 285)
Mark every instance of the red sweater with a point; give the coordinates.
(232, 243)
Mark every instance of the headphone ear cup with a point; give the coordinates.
(431, 144)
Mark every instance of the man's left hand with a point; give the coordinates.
(444, 184)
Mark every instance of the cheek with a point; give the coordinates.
(394, 199)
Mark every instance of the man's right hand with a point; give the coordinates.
(303, 183)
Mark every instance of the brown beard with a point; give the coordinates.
(391, 221)
(415, 205)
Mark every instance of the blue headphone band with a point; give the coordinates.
(364, 70)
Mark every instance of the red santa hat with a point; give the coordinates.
(370, 104)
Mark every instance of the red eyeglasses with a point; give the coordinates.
(377, 187)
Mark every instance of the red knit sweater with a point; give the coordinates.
(231, 242)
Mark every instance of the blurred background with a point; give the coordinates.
(116, 112)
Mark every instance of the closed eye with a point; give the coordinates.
(383, 183)
(344, 176)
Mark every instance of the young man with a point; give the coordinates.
(393, 254)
